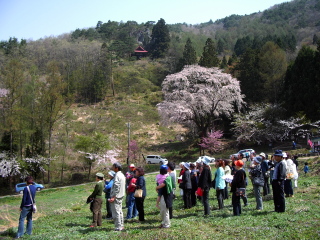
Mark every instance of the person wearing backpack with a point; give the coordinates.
(26, 207)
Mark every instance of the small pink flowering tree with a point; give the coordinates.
(212, 142)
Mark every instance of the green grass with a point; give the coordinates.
(63, 214)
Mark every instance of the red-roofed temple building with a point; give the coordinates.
(139, 52)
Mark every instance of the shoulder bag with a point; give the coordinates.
(138, 193)
(34, 206)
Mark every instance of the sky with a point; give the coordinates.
(35, 19)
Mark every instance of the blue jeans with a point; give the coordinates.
(132, 209)
(25, 213)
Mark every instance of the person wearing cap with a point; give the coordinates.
(186, 186)
(132, 208)
(159, 180)
(107, 190)
(239, 181)
(279, 175)
(117, 193)
(96, 198)
(257, 181)
(291, 174)
(204, 183)
(26, 208)
(129, 176)
(266, 173)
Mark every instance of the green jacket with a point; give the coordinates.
(97, 192)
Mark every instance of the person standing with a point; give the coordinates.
(129, 176)
(132, 209)
(265, 173)
(239, 181)
(166, 200)
(278, 178)
(291, 174)
(186, 186)
(96, 198)
(306, 168)
(140, 184)
(227, 171)
(173, 174)
(117, 193)
(26, 208)
(107, 190)
(204, 183)
(194, 183)
(257, 181)
(220, 183)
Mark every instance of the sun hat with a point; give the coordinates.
(186, 165)
(112, 173)
(100, 175)
(257, 159)
(278, 153)
(262, 154)
(239, 163)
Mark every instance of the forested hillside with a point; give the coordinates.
(59, 96)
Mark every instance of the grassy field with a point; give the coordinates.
(63, 214)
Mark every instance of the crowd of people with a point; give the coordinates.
(195, 182)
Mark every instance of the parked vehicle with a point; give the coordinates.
(200, 159)
(21, 186)
(157, 159)
(246, 153)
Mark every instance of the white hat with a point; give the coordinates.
(262, 154)
(284, 155)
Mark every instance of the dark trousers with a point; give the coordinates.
(226, 192)
(266, 186)
(96, 212)
(236, 204)
(187, 198)
(109, 212)
(205, 201)
(193, 197)
(288, 190)
(140, 208)
(220, 197)
(278, 196)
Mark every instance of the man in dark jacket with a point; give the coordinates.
(187, 186)
(204, 183)
(278, 178)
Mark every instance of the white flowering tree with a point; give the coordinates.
(197, 96)
(266, 123)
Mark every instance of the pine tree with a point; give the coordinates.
(209, 56)
(189, 56)
(160, 39)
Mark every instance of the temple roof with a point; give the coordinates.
(140, 50)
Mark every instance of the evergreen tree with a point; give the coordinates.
(160, 39)
(189, 56)
(224, 63)
(301, 87)
(209, 56)
(250, 80)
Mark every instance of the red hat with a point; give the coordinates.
(239, 163)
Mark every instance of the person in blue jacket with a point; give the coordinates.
(26, 208)
(107, 190)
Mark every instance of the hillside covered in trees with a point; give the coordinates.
(59, 96)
